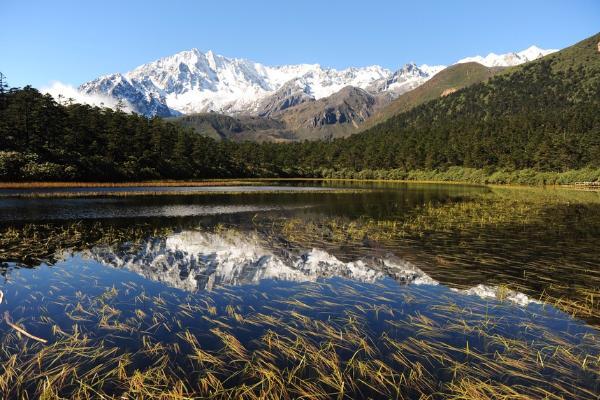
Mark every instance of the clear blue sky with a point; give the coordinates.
(75, 41)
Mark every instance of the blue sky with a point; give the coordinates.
(75, 41)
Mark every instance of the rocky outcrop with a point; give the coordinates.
(291, 94)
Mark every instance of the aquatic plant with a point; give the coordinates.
(113, 334)
(319, 340)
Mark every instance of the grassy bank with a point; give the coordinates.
(157, 183)
(585, 176)
(527, 177)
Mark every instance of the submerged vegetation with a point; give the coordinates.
(469, 238)
(35, 244)
(480, 239)
(113, 334)
(474, 239)
(326, 340)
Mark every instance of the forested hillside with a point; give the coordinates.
(43, 140)
(238, 128)
(543, 115)
(446, 82)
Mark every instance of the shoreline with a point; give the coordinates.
(258, 181)
(160, 183)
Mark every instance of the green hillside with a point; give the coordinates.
(342, 114)
(543, 115)
(445, 82)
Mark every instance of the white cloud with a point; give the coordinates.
(67, 92)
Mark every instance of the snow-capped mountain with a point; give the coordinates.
(193, 81)
(405, 79)
(509, 59)
(290, 94)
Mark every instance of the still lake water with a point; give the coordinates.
(316, 290)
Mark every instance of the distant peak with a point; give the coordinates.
(197, 81)
(509, 59)
(533, 48)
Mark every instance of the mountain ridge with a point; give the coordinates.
(192, 81)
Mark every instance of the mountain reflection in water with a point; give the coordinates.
(402, 291)
(195, 260)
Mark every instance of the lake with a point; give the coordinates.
(314, 289)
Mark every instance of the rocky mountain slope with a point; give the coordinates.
(192, 82)
(338, 115)
(334, 116)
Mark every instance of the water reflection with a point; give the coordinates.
(194, 261)
(376, 202)
(401, 292)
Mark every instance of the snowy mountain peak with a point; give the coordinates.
(193, 81)
(509, 59)
(534, 52)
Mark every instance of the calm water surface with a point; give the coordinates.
(391, 291)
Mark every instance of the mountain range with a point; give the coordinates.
(194, 82)
(509, 59)
(469, 122)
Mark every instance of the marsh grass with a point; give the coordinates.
(316, 341)
(181, 192)
(480, 238)
(34, 244)
(125, 338)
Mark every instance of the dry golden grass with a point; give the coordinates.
(429, 350)
(161, 183)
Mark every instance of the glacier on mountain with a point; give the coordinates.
(193, 81)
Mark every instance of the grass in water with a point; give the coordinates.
(293, 348)
(128, 339)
